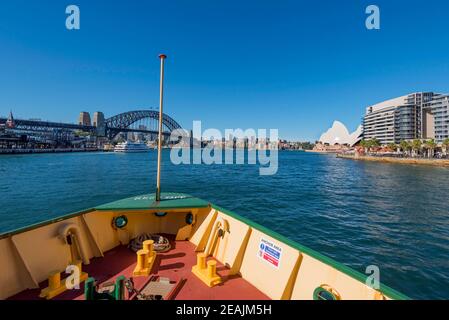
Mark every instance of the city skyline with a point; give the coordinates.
(317, 67)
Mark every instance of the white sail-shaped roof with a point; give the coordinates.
(339, 134)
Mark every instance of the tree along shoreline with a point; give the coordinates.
(386, 159)
(410, 149)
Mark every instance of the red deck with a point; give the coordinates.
(175, 265)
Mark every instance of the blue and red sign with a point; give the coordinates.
(270, 252)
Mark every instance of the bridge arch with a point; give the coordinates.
(125, 120)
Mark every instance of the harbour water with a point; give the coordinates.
(360, 213)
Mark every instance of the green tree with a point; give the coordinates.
(409, 148)
(405, 146)
(416, 146)
(375, 143)
(446, 145)
(431, 145)
(307, 145)
(365, 145)
(392, 146)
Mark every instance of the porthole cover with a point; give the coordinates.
(120, 222)
(189, 218)
(325, 292)
(160, 214)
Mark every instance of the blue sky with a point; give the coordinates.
(292, 65)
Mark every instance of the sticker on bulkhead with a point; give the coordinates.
(270, 253)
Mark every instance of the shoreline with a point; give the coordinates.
(321, 152)
(44, 151)
(414, 161)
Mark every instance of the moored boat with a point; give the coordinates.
(131, 147)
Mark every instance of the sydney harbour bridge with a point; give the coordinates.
(142, 121)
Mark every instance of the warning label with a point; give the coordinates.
(270, 252)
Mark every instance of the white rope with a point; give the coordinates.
(161, 244)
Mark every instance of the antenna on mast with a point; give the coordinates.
(162, 57)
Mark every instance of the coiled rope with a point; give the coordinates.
(161, 244)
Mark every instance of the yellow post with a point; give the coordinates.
(201, 261)
(142, 259)
(212, 269)
(145, 263)
(206, 273)
(79, 265)
(54, 280)
(56, 286)
(149, 246)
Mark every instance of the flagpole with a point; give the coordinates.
(162, 57)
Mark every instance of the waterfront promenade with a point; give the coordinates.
(415, 161)
(55, 150)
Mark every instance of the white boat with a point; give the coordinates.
(131, 147)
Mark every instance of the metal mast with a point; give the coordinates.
(162, 57)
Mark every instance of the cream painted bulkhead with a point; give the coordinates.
(29, 256)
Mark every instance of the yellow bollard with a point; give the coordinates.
(207, 274)
(149, 246)
(79, 265)
(54, 280)
(83, 275)
(56, 286)
(379, 296)
(212, 269)
(145, 262)
(142, 259)
(201, 261)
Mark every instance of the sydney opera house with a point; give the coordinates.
(419, 115)
(338, 138)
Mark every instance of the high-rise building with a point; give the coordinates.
(402, 118)
(98, 119)
(100, 123)
(438, 110)
(84, 119)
